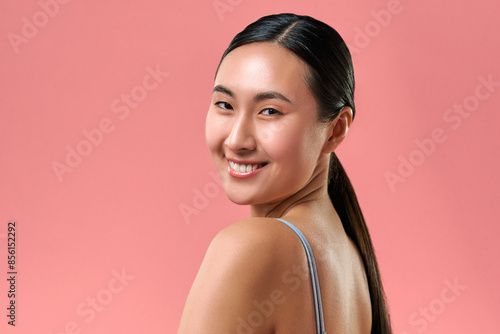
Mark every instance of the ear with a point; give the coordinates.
(337, 130)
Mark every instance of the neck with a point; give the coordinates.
(313, 197)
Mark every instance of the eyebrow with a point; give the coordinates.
(257, 98)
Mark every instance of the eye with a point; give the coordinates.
(224, 105)
(270, 111)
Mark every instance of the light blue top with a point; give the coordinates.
(320, 325)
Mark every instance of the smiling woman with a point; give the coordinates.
(282, 103)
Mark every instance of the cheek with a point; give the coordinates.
(289, 152)
(291, 143)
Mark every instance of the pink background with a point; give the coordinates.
(434, 223)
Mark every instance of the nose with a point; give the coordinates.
(241, 137)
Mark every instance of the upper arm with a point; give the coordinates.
(237, 273)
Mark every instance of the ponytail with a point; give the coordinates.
(346, 204)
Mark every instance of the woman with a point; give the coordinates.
(282, 103)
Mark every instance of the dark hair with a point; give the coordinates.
(331, 81)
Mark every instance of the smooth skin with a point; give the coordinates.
(255, 277)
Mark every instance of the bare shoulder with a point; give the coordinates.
(242, 265)
(257, 245)
(252, 233)
(247, 244)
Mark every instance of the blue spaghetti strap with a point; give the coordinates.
(320, 325)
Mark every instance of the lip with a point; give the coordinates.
(239, 174)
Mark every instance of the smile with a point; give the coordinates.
(244, 169)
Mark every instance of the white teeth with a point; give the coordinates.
(243, 168)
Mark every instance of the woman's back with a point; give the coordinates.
(342, 281)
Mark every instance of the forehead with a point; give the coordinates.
(263, 66)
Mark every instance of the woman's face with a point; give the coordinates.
(261, 127)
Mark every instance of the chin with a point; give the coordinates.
(240, 200)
